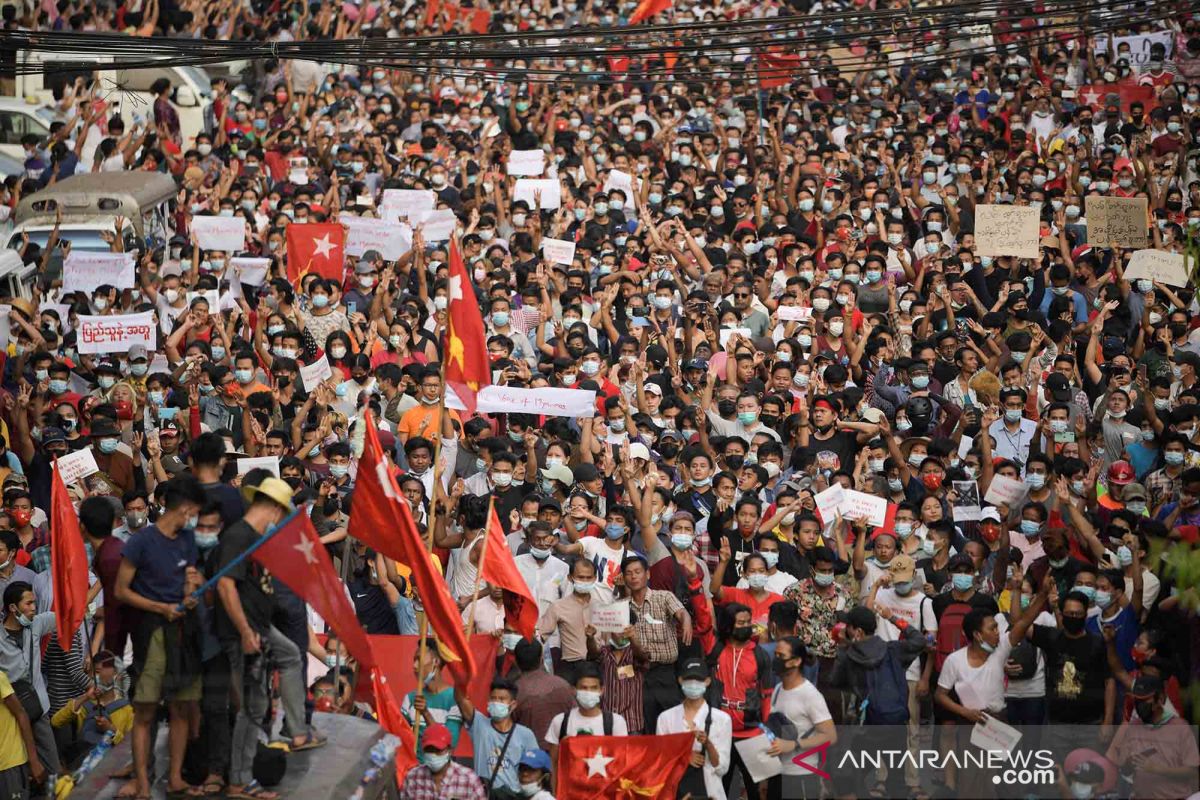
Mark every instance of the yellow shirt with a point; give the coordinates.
(12, 746)
(122, 719)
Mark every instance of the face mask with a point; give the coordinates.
(106, 381)
(742, 633)
(584, 587)
(836, 328)
(895, 484)
(502, 478)
(339, 470)
(108, 446)
(757, 581)
(614, 532)
(1035, 479)
(904, 529)
(962, 582)
(1087, 591)
(693, 690)
(205, 541)
(498, 710)
(218, 353)
(1030, 527)
(586, 699)
(320, 300)
(1073, 625)
(1136, 507)
(823, 578)
(821, 303)
(682, 541)
(1013, 414)
(1172, 457)
(747, 417)
(929, 547)
(437, 761)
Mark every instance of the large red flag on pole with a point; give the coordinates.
(602, 767)
(467, 367)
(295, 555)
(499, 569)
(387, 710)
(647, 9)
(381, 519)
(68, 562)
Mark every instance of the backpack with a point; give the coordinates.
(752, 706)
(949, 634)
(886, 702)
(606, 720)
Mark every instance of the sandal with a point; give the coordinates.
(311, 742)
(212, 787)
(252, 791)
(184, 793)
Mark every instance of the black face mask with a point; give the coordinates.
(1179, 329)
(726, 408)
(734, 462)
(668, 450)
(742, 633)
(1073, 625)
(770, 420)
(779, 665)
(1145, 710)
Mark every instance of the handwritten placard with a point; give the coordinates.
(269, 463)
(558, 251)
(1006, 231)
(250, 271)
(84, 272)
(612, 618)
(1004, 490)
(391, 239)
(312, 374)
(858, 505)
(77, 465)
(1157, 265)
(398, 204)
(546, 401)
(794, 313)
(829, 501)
(727, 333)
(548, 190)
(992, 734)
(220, 233)
(117, 334)
(1116, 219)
(527, 162)
(436, 226)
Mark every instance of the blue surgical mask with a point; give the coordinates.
(218, 352)
(613, 531)
(1030, 527)
(437, 761)
(498, 710)
(823, 578)
(904, 529)
(109, 446)
(920, 381)
(962, 582)
(682, 541)
(58, 386)
(207, 541)
(693, 690)
(339, 470)
(1087, 591)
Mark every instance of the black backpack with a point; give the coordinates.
(606, 717)
(753, 705)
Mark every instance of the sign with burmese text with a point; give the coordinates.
(117, 334)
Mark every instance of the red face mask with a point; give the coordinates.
(20, 516)
(1139, 655)
(932, 481)
(990, 533)
(124, 409)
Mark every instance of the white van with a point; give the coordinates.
(125, 90)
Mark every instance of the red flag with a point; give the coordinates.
(387, 710)
(776, 68)
(499, 569)
(641, 767)
(467, 366)
(1097, 94)
(647, 9)
(316, 247)
(295, 555)
(381, 519)
(68, 562)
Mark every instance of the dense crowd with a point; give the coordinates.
(844, 468)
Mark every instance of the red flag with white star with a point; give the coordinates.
(467, 366)
(295, 555)
(316, 247)
(68, 562)
(641, 767)
(499, 569)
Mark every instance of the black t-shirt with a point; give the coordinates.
(937, 577)
(229, 499)
(843, 446)
(371, 607)
(253, 581)
(506, 500)
(1076, 670)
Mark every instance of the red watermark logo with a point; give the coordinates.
(821, 751)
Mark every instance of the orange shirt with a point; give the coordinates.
(422, 420)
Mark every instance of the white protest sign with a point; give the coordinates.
(270, 463)
(1004, 490)
(251, 271)
(403, 203)
(391, 239)
(829, 501)
(529, 189)
(210, 296)
(726, 333)
(5, 326)
(79, 464)
(546, 401)
(436, 226)
(298, 171)
(966, 504)
(220, 233)
(1138, 46)
(117, 334)
(794, 313)
(313, 374)
(761, 765)
(1158, 265)
(527, 162)
(83, 272)
(619, 180)
(992, 734)
(1007, 231)
(558, 251)
(612, 618)
(860, 504)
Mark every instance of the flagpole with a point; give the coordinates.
(487, 534)
(225, 570)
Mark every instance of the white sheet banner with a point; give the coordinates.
(530, 189)
(117, 334)
(251, 271)
(436, 226)
(391, 239)
(527, 162)
(398, 204)
(83, 272)
(547, 402)
(220, 233)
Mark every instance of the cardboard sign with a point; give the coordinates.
(857, 504)
(1004, 490)
(78, 465)
(84, 272)
(546, 401)
(391, 239)
(251, 271)
(829, 501)
(313, 374)
(527, 162)
(398, 204)
(527, 188)
(1006, 231)
(270, 463)
(558, 251)
(1158, 265)
(117, 334)
(966, 506)
(619, 180)
(794, 313)
(436, 226)
(1116, 219)
(612, 618)
(992, 734)
(220, 233)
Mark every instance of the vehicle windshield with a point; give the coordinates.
(200, 79)
(80, 239)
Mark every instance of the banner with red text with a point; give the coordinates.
(117, 334)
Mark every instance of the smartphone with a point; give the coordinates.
(640, 322)
(351, 307)
(1065, 437)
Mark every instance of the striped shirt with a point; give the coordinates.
(622, 685)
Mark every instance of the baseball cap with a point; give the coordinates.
(550, 502)
(639, 450)
(437, 737)
(535, 759)
(694, 668)
(51, 435)
(559, 472)
(1133, 490)
(1059, 387)
(138, 353)
(990, 513)
(585, 472)
(653, 388)
(902, 568)
(671, 433)
(696, 363)
(959, 561)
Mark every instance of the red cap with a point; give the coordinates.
(1120, 473)
(436, 737)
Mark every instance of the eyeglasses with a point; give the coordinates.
(741, 294)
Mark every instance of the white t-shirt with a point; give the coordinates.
(1035, 686)
(916, 609)
(806, 708)
(577, 722)
(873, 570)
(983, 685)
(608, 565)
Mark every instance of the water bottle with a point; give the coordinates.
(766, 732)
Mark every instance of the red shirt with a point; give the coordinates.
(758, 609)
(737, 670)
